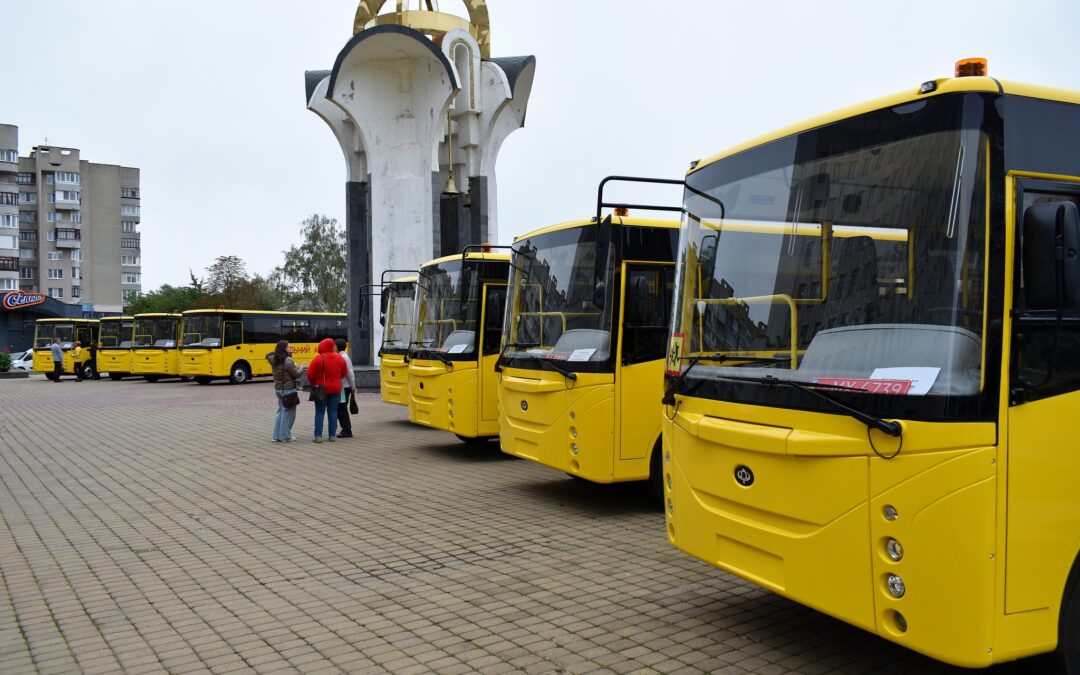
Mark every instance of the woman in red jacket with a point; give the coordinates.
(327, 369)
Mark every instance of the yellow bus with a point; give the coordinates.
(398, 300)
(460, 301)
(114, 346)
(155, 345)
(586, 327)
(69, 331)
(891, 443)
(233, 343)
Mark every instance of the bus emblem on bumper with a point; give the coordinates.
(744, 476)
(524, 406)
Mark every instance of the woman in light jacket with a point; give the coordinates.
(286, 374)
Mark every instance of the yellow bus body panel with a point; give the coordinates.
(197, 362)
(450, 400)
(218, 362)
(802, 528)
(150, 361)
(394, 379)
(43, 362)
(544, 417)
(114, 361)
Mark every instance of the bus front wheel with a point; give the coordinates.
(474, 440)
(115, 376)
(151, 378)
(1068, 649)
(88, 371)
(240, 373)
(656, 474)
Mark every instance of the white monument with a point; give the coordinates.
(420, 110)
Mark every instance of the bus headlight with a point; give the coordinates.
(573, 432)
(894, 549)
(890, 512)
(896, 586)
(670, 506)
(574, 448)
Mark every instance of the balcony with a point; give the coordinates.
(68, 238)
(9, 264)
(68, 203)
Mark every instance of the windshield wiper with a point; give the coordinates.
(872, 421)
(508, 345)
(435, 354)
(569, 374)
(669, 394)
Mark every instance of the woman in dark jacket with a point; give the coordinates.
(286, 374)
(327, 369)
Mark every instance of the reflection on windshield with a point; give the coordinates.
(399, 317)
(448, 307)
(854, 253)
(115, 334)
(156, 332)
(202, 331)
(560, 298)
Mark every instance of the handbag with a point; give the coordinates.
(353, 408)
(318, 391)
(290, 400)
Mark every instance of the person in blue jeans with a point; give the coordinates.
(327, 369)
(286, 376)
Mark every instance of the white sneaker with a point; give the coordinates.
(318, 439)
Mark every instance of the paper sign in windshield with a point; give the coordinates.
(922, 378)
(581, 354)
(873, 386)
(457, 349)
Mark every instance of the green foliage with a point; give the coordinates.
(165, 299)
(314, 270)
(5, 362)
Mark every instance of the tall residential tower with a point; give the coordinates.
(68, 228)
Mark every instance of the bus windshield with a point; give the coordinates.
(399, 316)
(851, 256)
(447, 309)
(47, 331)
(202, 330)
(560, 299)
(115, 334)
(158, 331)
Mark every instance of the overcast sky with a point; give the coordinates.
(207, 98)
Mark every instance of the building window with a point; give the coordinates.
(55, 273)
(28, 272)
(9, 220)
(7, 155)
(128, 259)
(129, 193)
(23, 178)
(130, 278)
(130, 294)
(56, 292)
(67, 177)
(28, 235)
(54, 217)
(127, 225)
(9, 241)
(30, 288)
(50, 236)
(28, 217)
(76, 292)
(76, 273)
(56, 255)
(65, 196)
(11, 198)
(9, 264)
(129, 209)
(9, 284)
(68, 234)
(76, 216)
(48, 176)
(129, 243)
(76, 255)
(28, 198)
(27, 254)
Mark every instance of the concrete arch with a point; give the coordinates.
(385, 30)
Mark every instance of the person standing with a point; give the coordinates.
(347, 390)
(286, 376)
(77, 361)
(57, 359)
(327, 369)
(93, 360)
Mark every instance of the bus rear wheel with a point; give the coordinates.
(240, 373)
(656, 475)
(202, 379)
(115, 376)
(88, 371)
(151, 378)
(475, 441)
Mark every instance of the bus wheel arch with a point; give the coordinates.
(1067, 655)
(656, 473)
(240, 373)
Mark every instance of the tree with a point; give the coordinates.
(166, 299)
(225, 277)
(314, 270)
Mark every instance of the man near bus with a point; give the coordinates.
(76, 361)
(57, 359)
(348, 390)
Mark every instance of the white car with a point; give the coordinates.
(23, 360)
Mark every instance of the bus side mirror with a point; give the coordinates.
(384, 301)
(1051, 256)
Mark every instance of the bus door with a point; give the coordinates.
(647, 300)
(490, 343)
(233, 337)
(1043, 519)
(84, 334)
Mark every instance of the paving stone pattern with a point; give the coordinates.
(155, 528)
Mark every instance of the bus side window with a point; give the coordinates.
(234, 333)
(494, 304)
(645, 324)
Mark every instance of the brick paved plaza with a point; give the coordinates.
(155, 527)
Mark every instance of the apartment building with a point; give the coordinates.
(69, 228)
